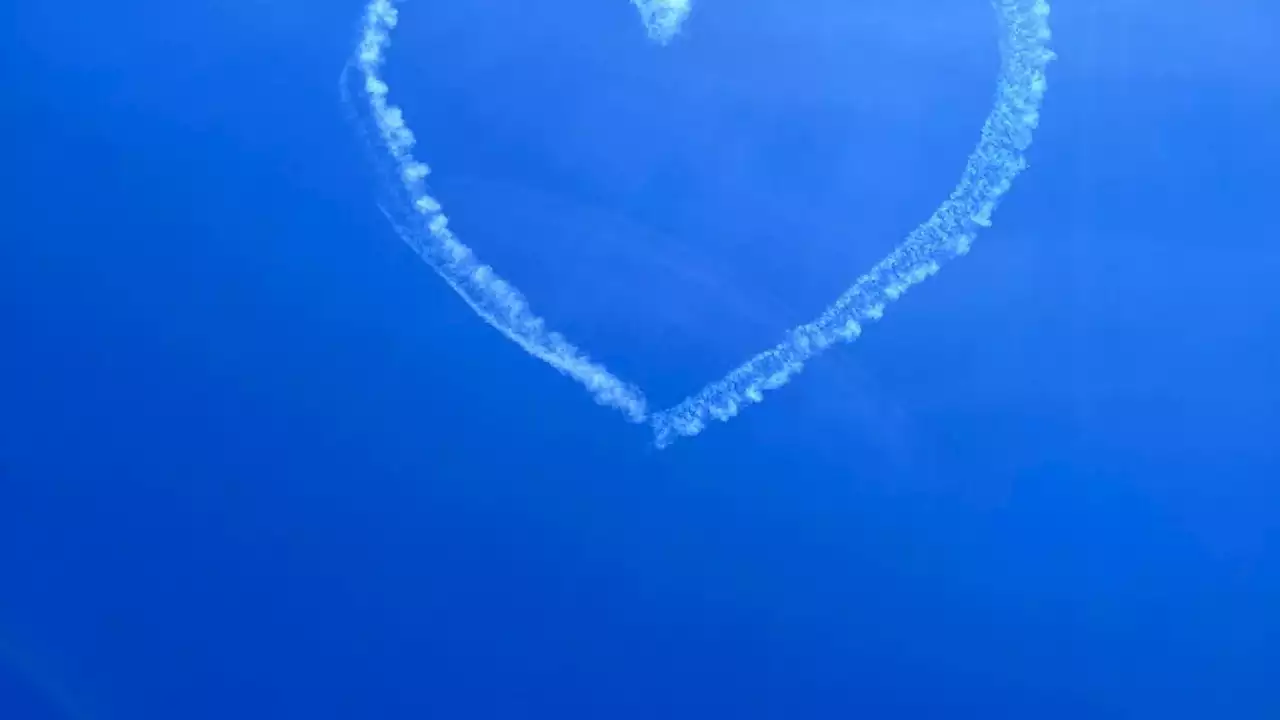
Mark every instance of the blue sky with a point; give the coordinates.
(257, 461)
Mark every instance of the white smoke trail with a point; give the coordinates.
(494, 299)
(988, 175)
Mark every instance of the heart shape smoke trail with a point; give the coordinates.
(988, 175)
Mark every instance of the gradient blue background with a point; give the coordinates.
(256, 461)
